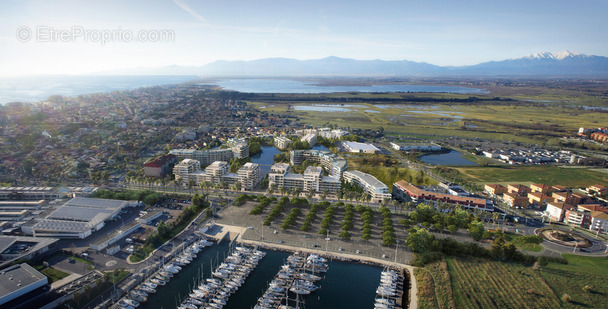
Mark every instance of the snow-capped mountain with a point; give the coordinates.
(557, 56)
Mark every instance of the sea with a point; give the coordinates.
(38, 88)
(345, 285)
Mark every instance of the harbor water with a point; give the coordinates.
(345, 285)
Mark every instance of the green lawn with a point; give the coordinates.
(572, 278)
(54, 274)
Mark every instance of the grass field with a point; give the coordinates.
(572, 278)
(527, 122)
(53, 274)
(550, 175)
(474, 283)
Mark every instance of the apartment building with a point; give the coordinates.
(405, 191)
(250, 176)
(310, 138)
(186, 170)
(370, 184)
(334, 164)
(312, 179)
(281, 142)
(206, 157)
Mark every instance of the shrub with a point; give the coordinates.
(587, 289)
(426, 258)
(566, 298)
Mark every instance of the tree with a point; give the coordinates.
(453, 229)
(420, 240)
(345, 235)
(476, 229)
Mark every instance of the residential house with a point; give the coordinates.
(495, 189)
(515, 200)
(518, 189)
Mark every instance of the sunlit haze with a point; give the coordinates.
(187, 32)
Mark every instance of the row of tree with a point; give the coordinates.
(276, 211)
(347, 222)
(367, 216)
(291, 218)
(328, 219)
(388, 231)
(310, 217)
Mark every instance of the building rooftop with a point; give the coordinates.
(120, 230)
(96, 203)
(17, 277)
(369, 179)
(62, 226)
(313, 170)
(362, 146)
(36, 243)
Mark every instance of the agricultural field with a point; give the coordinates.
(550, 175)
(475, 283)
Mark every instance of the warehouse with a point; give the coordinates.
(78, 218)
(18, 280)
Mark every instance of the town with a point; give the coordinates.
(109, 195)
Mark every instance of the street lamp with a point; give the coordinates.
(396, 248)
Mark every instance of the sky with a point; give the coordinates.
(83, 36)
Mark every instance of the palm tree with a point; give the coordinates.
(495, 217)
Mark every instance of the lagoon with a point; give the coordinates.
(293, 86)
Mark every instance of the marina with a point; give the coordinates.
(230, 275)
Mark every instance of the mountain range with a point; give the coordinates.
(545, 64)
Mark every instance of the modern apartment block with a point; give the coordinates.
(312, 179)
(206, 157)
(281, 142)
(218, 172)
(186, 170)
(334, 164)
(311, 138)
(370, 184)
(240, 148)
(249, 175)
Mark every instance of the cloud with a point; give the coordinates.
(190, 11)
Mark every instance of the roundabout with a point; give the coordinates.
(565, 238)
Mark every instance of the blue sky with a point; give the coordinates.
(438, 32)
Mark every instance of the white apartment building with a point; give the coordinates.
(249, 176)
(334, 164)
(240, 148)
(281, 142)
(310, 138)
(599, 221)
(206, 157)
(312, 179)
(215, 172)
(327, 133)
(370, 184)
(416, 146)
(218, 172)
(186, 170)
